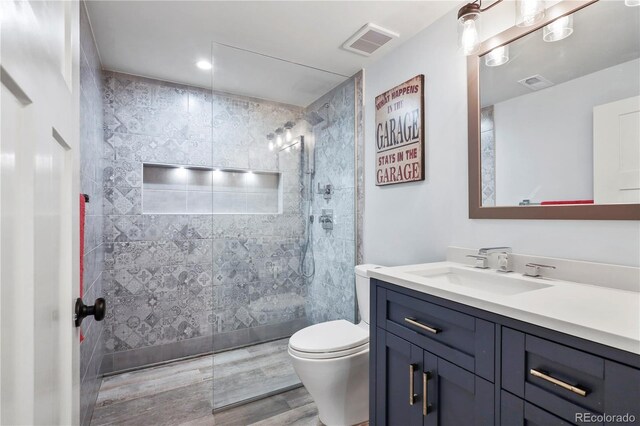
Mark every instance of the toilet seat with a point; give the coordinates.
(331, 339)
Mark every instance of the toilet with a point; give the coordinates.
(332, 362)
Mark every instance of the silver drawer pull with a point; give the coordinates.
(430, 329)
(567, 386)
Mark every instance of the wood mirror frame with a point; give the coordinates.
(476, 210)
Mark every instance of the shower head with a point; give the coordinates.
(315, 117)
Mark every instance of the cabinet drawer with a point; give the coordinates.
(565, 381)
(517, 412)
(459, 338)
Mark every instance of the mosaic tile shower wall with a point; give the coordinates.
(92, 347)
(178, 284)
(332, 292)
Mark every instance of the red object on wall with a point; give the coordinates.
(552, 203)
(83, 209)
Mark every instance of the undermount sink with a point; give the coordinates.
(482, 280)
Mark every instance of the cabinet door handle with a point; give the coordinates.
(564, 385)
(412, 396)
(430, 329)
(426, 375)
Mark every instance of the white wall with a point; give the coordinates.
(415, 222)
(544, 140)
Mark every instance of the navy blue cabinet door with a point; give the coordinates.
(456, 397)
(415, 387)
(398, 389)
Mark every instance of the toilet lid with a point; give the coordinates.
(331, 336)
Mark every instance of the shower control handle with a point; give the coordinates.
(326, 219)
(325, 190)
(98, 310)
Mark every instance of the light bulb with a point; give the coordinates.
(497, 57)
(279, 133)
(204, 65)
(529, 12)
(270, 145)
(559, 29)
(469, 40)
(287, 135)
(632, 3)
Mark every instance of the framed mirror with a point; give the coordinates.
(554, 117)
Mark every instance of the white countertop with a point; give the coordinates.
(605, 315)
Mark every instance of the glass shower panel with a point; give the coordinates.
(283, 215)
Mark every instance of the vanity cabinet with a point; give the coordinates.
(432, 391)
(437, 362)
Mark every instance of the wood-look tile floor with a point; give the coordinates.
(181, 393)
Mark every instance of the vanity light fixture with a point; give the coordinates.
(632, 3)
(204, 65)
(287, 134)
(270, 137)
(529, 12)
(498, 56)
(469, 26)
(468, 23)
(279, 133)
(559, 29)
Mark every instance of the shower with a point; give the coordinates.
(307, 260)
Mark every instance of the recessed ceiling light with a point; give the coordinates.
(204, 65)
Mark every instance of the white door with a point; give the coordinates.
(616, 152)
(39, 346)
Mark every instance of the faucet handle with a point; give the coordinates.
(504, 263)
(481, 261)
(533, 269)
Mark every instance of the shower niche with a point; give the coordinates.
(176, 189)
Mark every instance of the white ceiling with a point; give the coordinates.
(605, 34)
(164, 39)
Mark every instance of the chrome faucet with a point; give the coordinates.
(504, 260)
(490, 250)
(533, 269)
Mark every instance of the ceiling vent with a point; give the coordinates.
(535, 82)
(368, 39)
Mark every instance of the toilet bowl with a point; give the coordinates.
(332, 362)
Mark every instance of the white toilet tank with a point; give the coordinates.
(362, 289)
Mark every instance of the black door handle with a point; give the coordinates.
(98, 310)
